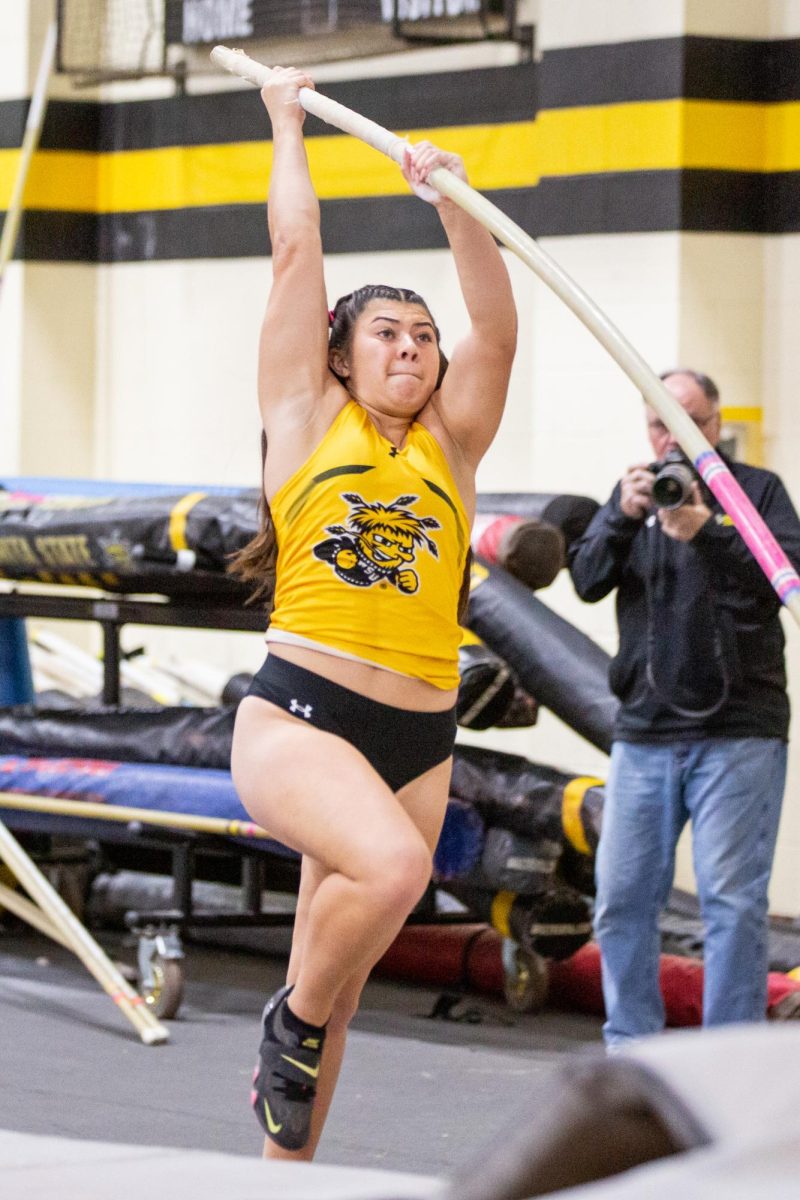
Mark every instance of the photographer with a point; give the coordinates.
(701, 731)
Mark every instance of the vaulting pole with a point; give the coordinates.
(54, 918)
(30, 140)
(92, 811)
(763, 545)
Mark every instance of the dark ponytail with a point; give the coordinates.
(255, 562)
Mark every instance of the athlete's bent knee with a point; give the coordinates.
(401, 873)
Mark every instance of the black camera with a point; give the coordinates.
(673, 481)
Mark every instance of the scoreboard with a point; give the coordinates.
(204, 22)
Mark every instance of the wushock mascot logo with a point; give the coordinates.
(378, 542)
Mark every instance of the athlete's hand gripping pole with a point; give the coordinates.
(709, 465)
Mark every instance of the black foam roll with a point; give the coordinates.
(486, 689)
(509, 791)
(517, 504)
(554, 923)
(179, 736)
(125, 543)
(558, 664)
(571, 514)
(236, 688)
(518, 864)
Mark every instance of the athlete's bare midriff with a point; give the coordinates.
(386, 687)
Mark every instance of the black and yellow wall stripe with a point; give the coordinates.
(694, 134)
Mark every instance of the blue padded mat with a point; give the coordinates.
(195, 791)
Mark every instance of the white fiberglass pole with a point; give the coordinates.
(761, 542)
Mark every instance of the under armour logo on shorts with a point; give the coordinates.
(306, 709)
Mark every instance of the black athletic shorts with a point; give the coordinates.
(399, 743)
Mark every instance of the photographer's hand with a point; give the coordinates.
(683, 523)
(636, 488)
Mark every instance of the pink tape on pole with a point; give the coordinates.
(750, 524)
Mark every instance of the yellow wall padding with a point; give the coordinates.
(742, 412)
(499, 156)
(670, 135)
(641, 135)
(571, 803)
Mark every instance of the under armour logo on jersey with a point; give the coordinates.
(306, 709)
(393, 452)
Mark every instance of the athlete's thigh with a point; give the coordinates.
(312, 790)
(425, 801)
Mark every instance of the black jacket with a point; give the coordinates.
(700, 639)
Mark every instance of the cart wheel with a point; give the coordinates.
(526, 981)
(165, 993)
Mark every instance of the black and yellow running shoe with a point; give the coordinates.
(285, 1078)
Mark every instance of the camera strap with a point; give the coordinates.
(652, 533)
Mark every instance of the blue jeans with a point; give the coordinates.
(731, 790)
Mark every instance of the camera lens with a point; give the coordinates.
(672, 486)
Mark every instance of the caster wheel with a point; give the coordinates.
(165, 992)
(526, 981)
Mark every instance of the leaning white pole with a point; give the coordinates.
(30, 140)
(31, 914)
(68, 930)
(55, 805)
(709, 465)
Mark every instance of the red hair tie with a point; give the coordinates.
(331, 315)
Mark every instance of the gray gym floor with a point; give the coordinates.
(417, 1094)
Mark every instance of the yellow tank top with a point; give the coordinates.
(372, 542)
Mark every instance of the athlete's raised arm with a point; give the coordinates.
(472, 397)
(293, 349)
